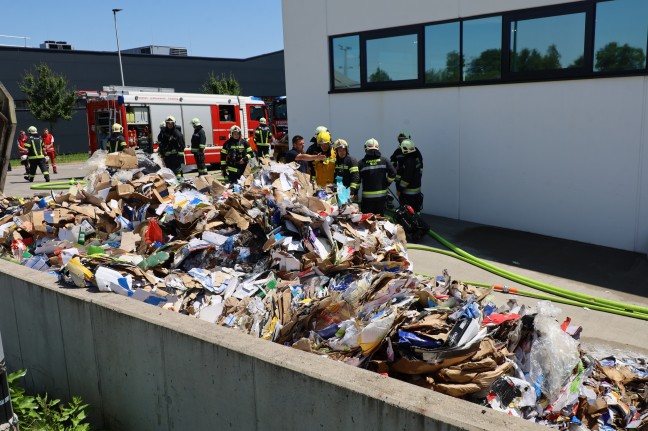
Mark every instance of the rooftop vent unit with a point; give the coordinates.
(158, 50)
(60, 45)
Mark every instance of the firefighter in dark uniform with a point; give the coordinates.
(408, 176)
(398, 153)
(346, 167)
(235, 154)
(35, 155)
(171, 147)
(116, 141)
(263, 138)
(376, 175)
(198, 142)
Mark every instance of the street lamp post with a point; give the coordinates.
(344, 49)
(121, 68)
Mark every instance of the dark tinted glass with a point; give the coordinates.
(548, 43)
(392, 58)
(346, 62)
(620, 35)
(482, 48)
(442, 61)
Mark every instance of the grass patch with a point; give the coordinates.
(61, 159)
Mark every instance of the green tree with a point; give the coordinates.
(528, 60)
(48, 98)
(379, 76)
(222, 84)
(449, 74)
(614, 57)
(486, 66)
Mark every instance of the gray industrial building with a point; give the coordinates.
(261, 76)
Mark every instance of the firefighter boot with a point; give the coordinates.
(47, 180)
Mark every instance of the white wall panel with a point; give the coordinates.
(565, 158)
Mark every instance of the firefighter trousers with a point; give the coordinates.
(373, 205)
(174, 162)
(200, 163)
(38, 163)
(263, 150)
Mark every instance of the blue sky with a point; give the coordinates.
(231, 29)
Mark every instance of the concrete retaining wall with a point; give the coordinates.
(149, 369)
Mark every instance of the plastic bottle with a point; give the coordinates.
(81, 236)
(17, 249)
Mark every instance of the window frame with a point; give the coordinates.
(381, 34)
(332, 62)
(506, 76)
(461, 62)
(613, 73)
(548, 12)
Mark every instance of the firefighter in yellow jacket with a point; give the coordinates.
(35, 155)
(324, 169)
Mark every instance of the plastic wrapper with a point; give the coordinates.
(96, 162)
(374, 333)
(554, 354)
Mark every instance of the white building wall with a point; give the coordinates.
(565, 158)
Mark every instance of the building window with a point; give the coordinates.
(346, 62)
(620, 35)
(392, 58)
(548, 43)
(482, 49)
(579, 39)
(442, 56)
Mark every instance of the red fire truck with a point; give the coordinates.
(141, 111)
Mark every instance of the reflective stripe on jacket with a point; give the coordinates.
(376, 174)
(233, 151)
(116, 142)
(198, 140)
(347, 168)
(171, 142)
(34, 146)
(410, 172)
(262, 136)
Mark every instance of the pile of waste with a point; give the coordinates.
(274, 258)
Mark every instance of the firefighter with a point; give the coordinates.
(116, 141)
(144, 140)
(198, 141)
(22, 151)
(398, 154)
(235, 154)
(408, 176)
(35, 154)
(313, 149)
(346, 167)
(263, 138)
(376, 175)
(48, 145)
(162, 127)
(171, 146)
(324, 169)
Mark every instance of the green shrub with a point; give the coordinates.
(44, 414)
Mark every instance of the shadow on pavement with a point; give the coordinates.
(606, 267)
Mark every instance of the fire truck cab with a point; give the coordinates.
(141, 110)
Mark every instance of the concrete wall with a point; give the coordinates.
(260, 76)
(565, 158)
(149, 369)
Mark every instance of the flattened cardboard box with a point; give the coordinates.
(122, 160)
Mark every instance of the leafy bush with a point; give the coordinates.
(44, 414)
